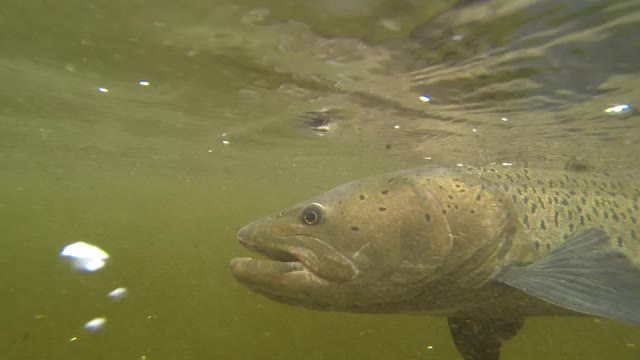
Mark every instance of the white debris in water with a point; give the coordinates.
(104, 90)
(390, 24)
(427, 157)
(507, 163)
(143, 83)
(505, 119)
(618, 109)
(118, 294)
(396, 127)
(429, 347)
(95, 324)
(73, 339)
(225, 142)
(424, 98)
(459, 165)
(475, 130)
(456, 37)
(85, 256)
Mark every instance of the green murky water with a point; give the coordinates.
(228, 129)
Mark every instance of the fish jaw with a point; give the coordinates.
(297, 264)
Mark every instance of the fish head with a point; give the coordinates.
(358, 247)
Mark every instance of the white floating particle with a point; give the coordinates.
(429, 347)
(73, 339)
(85, 256)
(95, 324)
(424, 98)
(225, 142)
(427, 157)
(474, 130)
(618, 108)
(118, 294)
(456, 37)
(104, 90)
(507, 163)
(505, 119)
(224, 134)
(210, 150)
(143, 83)
(396, 127)
(459, 165)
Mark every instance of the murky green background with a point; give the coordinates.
(228, 130)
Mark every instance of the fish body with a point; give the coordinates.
(485, 247)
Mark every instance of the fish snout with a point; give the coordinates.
(243, 235)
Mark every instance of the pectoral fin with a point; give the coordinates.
(585, 274)
(481, 339)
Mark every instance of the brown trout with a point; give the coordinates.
(485, 247)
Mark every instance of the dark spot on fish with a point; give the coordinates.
(525, 220)
(382, 208)
(472, 211)
(505, 187)
(427, 216)
(533, 208)
(581, 219)
(525, 200)
(633, 235)
(571, 227)
(444, 211)
(462, 190)
(633, 219)
(387, 146)
(564, 202)
(455, 206)
(384, 192)
(543, 225)
(457, 185)
(339, 202)
(572, 192)
(537, 245)
(619, 241)
(548, 247)
(565, 236)
(361, 197)
(355, 228)
(514, 199)
(556, 214)
(449, 206)
(478, 197)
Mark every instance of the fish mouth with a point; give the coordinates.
(280, 262)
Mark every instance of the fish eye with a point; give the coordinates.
(312, 214)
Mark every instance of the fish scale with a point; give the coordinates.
(554, 205)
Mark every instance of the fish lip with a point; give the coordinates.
(272, 253)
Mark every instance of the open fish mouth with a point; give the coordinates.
(279, 262)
